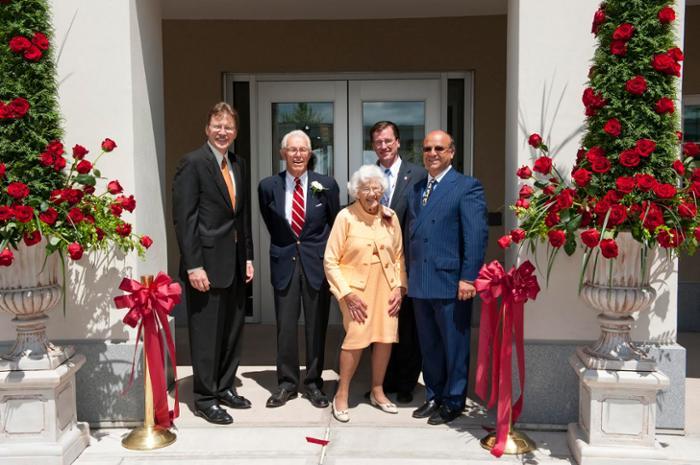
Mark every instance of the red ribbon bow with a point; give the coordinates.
(514, 288)
(149, 307)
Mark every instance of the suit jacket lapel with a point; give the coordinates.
(279, 194)
(401, 183)
(310, 200)
(439, 191)
(216, 175)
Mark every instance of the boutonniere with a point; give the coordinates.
(317, 187)
(387, 215)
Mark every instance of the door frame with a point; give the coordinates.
(260, 250)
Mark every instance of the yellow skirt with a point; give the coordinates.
(379, 326)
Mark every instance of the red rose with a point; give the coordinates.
(33, 53)
(618, 47)
(123, 229)
(59, 163)
(535, 140)
(608, 247)
(55, 147)
(645, 182)
(128, 203)
(600, 165)
(17, 190)
(18, 107)
(75, 251)
(664, 63)
(601, 208)
(543, 165)
(24, 213)
(666, 15)
(652, 216)
(83, 167)
(664, 191)
(618, 215)
(697, 234)
(525, 192)
(6, 257)
(522, 203)
(49, 216)
(613, 196)
(524, 172)
(108, 145)
(688, 209)
(645, 147)
(625, 184)
(89, 189)
(72, 196)
(556, 237)
(565, 199)
(695, 175)
(79, 152)
(695, 188)
(582, 177)
(552, 219)
(691, 149)
(669, 238)
(629, 158)
(3, 169)
(676, 53)
(598, 19)
(586, 218)
(504, 241)
(116, 209)
(549, 189)
(636, 86)
(46, 159)
(594, 153)
(623, 32)
(113, 187)
(41, 41)
(664, 105)
(31, 238)
(613, 127)
(146, 241)
(19, 44)
(678, 167)
(76, 215)
(592, 100)
(590, 237)
(517, 235)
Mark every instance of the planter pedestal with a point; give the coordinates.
(38, 422)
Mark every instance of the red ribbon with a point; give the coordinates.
(498, 328)
(149, 307)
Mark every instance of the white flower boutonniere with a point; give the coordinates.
(317, 187)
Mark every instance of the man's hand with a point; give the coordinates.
(395, 301)
(466, 290)
(356, 306)
(199, 280)
(249, 271)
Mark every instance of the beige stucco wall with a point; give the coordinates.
(196, 53)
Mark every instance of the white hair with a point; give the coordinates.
(364, 176)
(296, 132)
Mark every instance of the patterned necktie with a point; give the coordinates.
(387, 193)
(297, 208)
(229, 183)
(428, 191)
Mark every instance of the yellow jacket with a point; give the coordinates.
(355, 236)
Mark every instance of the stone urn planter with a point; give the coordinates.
(29, 288)
(617, 288)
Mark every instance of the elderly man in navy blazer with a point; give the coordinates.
(448, 234)
(299, 207)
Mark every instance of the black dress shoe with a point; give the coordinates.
(404, 397)
(443, 415)
(280, 398)
(214, 414)
(233, 400)
(316, 397)
(427, 409)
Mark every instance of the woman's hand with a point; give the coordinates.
(356, 306)
(395, 300)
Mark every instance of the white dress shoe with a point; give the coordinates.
(340, 415)
(388, 407)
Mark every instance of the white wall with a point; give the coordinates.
(109, 57)
(550, 49)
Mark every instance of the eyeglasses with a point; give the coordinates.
(294, 150)
(380, 142)
(374, 190)
(438, 149)
(219, 127)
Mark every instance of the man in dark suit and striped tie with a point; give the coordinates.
(448, 235)
(299, 207)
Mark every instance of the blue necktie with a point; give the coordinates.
(387, 193)
(428, 191)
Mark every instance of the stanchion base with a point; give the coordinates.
(148, 438)
(518, 443)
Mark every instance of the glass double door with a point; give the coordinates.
(337, 115)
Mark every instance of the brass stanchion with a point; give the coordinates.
(149, 436)
(517, 443)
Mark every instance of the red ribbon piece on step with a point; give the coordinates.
(499, 326)
(149, 307)
(321, 442)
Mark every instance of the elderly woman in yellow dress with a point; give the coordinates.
(365, 269)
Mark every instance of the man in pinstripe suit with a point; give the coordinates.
(448, 235)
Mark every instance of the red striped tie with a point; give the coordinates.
(297, 208)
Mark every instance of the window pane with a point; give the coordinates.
(408, 116)
(316, 120)
(691, 123)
